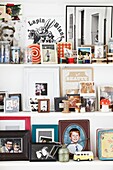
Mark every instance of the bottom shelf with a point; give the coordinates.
(26, 165)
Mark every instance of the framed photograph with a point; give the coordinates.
(11, 105)
(74, 100)
(14, 145)
(48, 53)
(59, 105)
(43, 105)
(3, 95)
(42, 83)
(20, 100)
(105, 98)
(44, 152)
(104, 144)
(78, 128)
(45, 133)
(87, 88)
(70, 78)
(15, 123)
(86, 24)
(99, 51)
(84, 55)
(33, 104)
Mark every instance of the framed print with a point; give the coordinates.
(15, 123)
(11, 105)
(42, 83)
(74, 101)
(86, 24)
(44, 152)
(14, 145)
(3, 95)
(44, 30)
(99, 51)
(78, 128)
(104, 144)
(70, 78)
(44, 133)
(20, 100)
(58, 103)
(33, 104)
(48, 53)
(83, 55)
(105, 98)
(87, 88)
(43, 105)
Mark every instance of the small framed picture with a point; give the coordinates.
(13, 95)
(83, 55)
(87, 88)
(78, 128)
(59, 105)
(44, 152)
(3, 95)
(33, 101)
(14, 145)
(99, 51)
(11, 105)
(48, 53)
(105, 98)
(45, 133)
(43, 105)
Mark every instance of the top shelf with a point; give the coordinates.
(56, 65)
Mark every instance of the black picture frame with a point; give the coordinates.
(3, 94)
(20, 99)
(72, 25)
(14, 136)
(58, 104)
(44, 152)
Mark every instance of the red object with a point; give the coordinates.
(10, 5)
(105, 102)
(25, 118)
(70, 60)
(36, 58)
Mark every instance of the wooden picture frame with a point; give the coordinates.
(48, 53)
(48, 131)
(11, 95)
(82, 127)
(20, 139)
(71, 76)
(44, 152)
(43, 105)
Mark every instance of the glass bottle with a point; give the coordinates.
(63, 154)
(4, 52)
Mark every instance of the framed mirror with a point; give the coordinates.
(88, 25)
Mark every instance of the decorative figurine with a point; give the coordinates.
(66, 106)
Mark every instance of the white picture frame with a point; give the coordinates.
(99, 51)
(48, 53)
(11, 105)
(45, 134)
(47, 75)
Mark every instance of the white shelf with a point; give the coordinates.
(71, 165)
